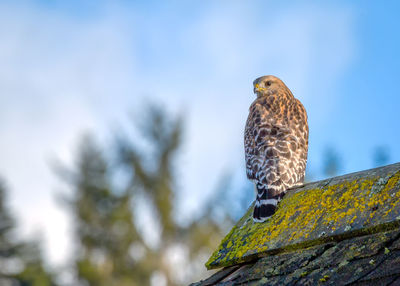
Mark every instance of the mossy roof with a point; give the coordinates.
(366, 260)
(331, 210)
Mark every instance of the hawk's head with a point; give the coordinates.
(267, 85)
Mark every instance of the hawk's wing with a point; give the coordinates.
(269, 149)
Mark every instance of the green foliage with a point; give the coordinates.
(152, 174)
(112, 250)
(152, 169)
(103, 221)
(21, 263)
(7, 247)
(33, 273)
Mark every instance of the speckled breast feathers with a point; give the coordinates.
(276, 144)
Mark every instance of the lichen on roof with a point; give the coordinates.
(330, 210)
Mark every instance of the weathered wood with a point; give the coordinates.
(330, 210)
(217, 277)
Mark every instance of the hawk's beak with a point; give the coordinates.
(257, 88)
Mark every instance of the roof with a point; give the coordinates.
(337, 231)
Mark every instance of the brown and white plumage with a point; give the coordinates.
(276, 144)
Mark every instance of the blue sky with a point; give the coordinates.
(72, 66)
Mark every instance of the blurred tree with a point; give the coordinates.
(33, 272)
(381, 156)
(7, 247)
(331, 164)
(113, 248)
(104, 224)
(151, 170)
(21, 264)
(152, 175)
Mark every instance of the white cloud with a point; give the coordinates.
(57, 77)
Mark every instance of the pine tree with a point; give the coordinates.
(153, 175)
(21, 263)
(103, 222)
(112, 248)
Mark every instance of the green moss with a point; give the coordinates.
(304, 274)
(313, 216)
(324, 279)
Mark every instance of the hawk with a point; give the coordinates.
(276, 144)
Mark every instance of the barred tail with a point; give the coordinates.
(265, 205)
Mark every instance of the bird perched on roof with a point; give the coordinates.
(276, 144)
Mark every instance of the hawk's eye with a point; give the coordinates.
(269, 83)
